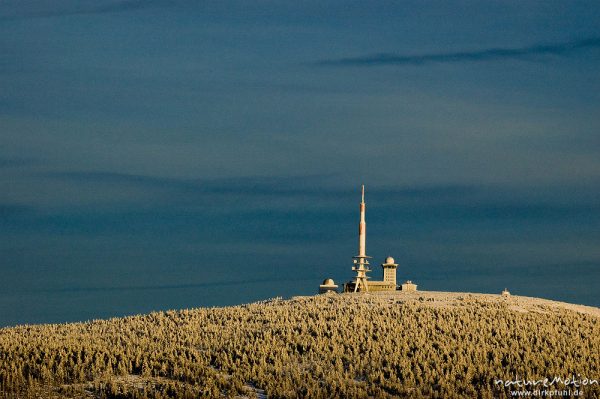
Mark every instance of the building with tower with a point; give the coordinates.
(361, 282)
(389, 270)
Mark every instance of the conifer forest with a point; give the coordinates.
(389, 345)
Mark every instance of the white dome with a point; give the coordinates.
(328, 281)
(389, 260)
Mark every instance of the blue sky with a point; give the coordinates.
(161, 142)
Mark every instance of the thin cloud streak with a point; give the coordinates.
(16, 162)
(316, 185)
(211, 284)
(490, 54)
(70, 9)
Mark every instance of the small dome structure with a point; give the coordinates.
(389, 260)
(328, 287)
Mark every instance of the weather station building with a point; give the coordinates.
(361, 282)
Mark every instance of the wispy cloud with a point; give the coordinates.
(16, 162)
(14, 210)
(489, 54)
(298, 185)
(54, 9)
(256, 185)
(175, 286)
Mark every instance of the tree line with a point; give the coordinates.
(328, 346)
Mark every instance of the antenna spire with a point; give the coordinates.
(361, 264)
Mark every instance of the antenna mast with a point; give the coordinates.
(361, 264)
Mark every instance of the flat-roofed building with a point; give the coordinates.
(408, 286)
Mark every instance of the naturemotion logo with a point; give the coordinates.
(546, 387)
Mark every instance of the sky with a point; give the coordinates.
(172, 154)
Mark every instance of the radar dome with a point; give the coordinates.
(389, 260)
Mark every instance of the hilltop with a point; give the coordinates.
(394, 344)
